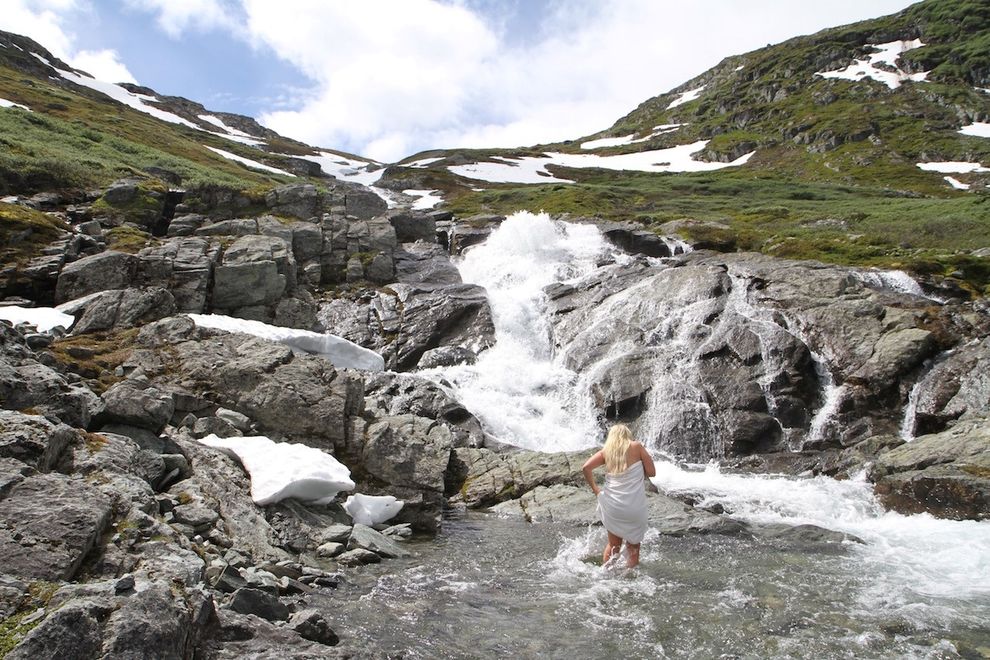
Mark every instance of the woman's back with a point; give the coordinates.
(635, 455)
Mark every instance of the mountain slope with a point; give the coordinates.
(817, 142)
(61, 129)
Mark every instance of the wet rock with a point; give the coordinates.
(358, 557)
(446, 356)
(946, 474)
(258, 603)
(301, 201)
(411, 226)
(956, 387)
(368, 539)
(49, 523)
(311, 625)
(806, 536)
(635, 240)
(239, 636)
(482, 477)
(99, 272)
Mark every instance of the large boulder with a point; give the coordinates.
(49, 524)
(184, 266)
(295, 200)
(33, 440)
(99, 272)
(255, 271)
(123, 308)
(956, 387)
(137, 403)
(946, 474)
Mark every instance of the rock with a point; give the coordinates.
(183, 266)
(311, 625)
(235, 419)
(256, 270)
(362, 203)
(956, 387)
(484, 477)
(99, 272)
(240, 636)
(368, 539)
(295, 313)
(330, 549)
(401, 531)
(358, 557)
(205, 426)
(946, 474)
(33, 440)
(805, 536)
(138, 404)
(301, 201)
(446, 356)
(126, 308)
(50, 522)
(305, 528)
(425, 263)
(228, 580)
(411, 226)
(155, 623)
(73, 631)
(196, 516)
(258, 603)
(634, 240)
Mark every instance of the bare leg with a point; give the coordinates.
(633, 557)
(612, 547)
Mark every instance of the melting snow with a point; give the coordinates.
(248, 162)
(423, 162)
(342, 353)
(347, 169)
(230, 133)
(956, 183)
(977, 129)
(686, 97)
(531, 169)
(372, 509)
(953, 167)
(628, 139)
(886, 54)
(280, 470)
(43, 318)
(4, 103)
(427, 198)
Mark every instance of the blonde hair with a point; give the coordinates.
(616, 448)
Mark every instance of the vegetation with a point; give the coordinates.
(95, 356)
(24, 231)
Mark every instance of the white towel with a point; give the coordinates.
(622, 504)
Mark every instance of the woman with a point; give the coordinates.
(622, 502)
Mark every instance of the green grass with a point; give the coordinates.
(72, 141)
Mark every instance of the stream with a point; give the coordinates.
(915, 587)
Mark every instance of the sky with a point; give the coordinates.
(388, 78)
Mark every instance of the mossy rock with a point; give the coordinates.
(140, 202)
(23, 231)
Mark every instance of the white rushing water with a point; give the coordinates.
(920, 567)
(516, 388)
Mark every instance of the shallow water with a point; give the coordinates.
(490, 586)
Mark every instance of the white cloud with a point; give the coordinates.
(46, 22)
(177, 16)
(103, 65)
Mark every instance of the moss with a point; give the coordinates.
(95, 356)
(128, 239)
(94, 442)
(184, 498)
(13, 629)
(24, 231)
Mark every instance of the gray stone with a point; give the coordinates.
(49, 524)
(330, 549)
(311, 625)
(73, 631)
(99, 272)
(258, 603)
(411, 226)
(301, 201)
(358, 557)
(234, 418)
(138, 404)
(33, 440)
(126, 308)
(368, 539)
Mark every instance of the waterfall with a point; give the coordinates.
(520, 391)
(910, 422)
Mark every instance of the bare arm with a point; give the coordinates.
(649, 469)
(589, 465)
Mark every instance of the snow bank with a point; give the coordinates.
(43, 318)
(886, 54)
(601, 143)
(686, 97)
(342, 353)
(347, 169)
(4, 103)
(427, 198)
(372, 509)
(953, 167)
(423, 162)
(532, 169)
(956, 183)
(976, 129)
(248, 162)
(280, 470)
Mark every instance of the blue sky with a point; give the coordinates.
(388, 78)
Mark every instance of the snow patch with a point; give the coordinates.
(280, 470)
(953, 167)
(686, 97)
(976, 129)
(347, 169)
(43, 318)
(342, 353)
(956, 183)
(427, 198)
(423, 162)
(230, 133)
(372, 509)
(4, 103)
(601, 143)
(886, 54)
(248, 162)
(532, 169)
